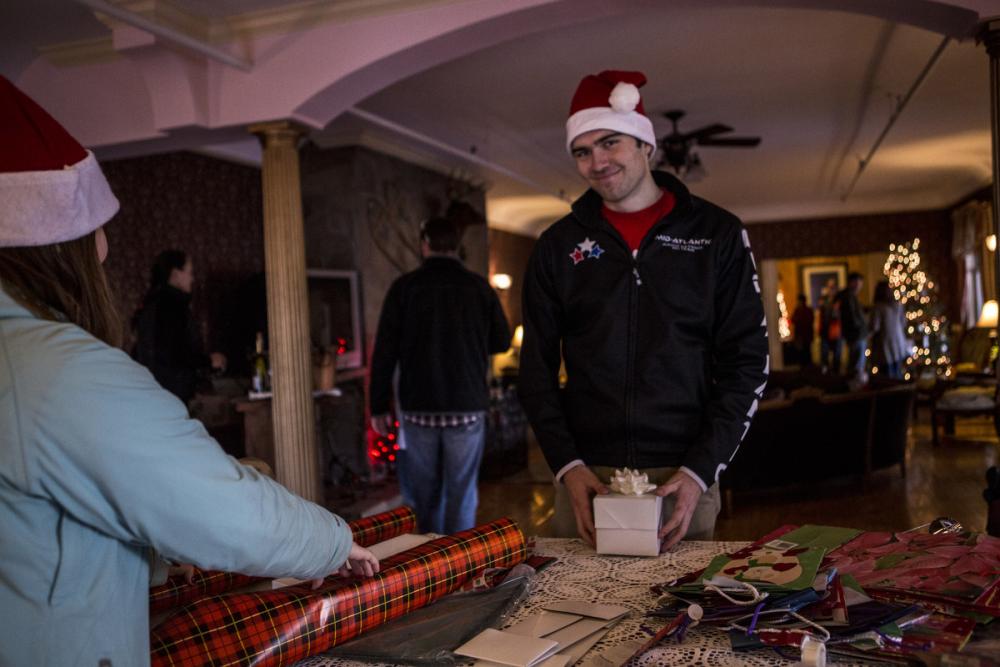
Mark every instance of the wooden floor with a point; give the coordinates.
(944, 481)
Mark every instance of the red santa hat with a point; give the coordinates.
(609, 101)
(51, 187)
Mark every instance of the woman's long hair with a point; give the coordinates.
(882, 292)
(163, 266)
(159, 278)
(63, 279)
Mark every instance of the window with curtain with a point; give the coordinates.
(971, 224)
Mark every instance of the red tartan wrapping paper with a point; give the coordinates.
(176, 592)
(279, 627)
(384, 526)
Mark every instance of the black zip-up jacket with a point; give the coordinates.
(440, 323)
(665, 352)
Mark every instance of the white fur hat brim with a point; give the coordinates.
(631, 123)
(52, 206)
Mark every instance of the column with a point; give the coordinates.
(295, 455)
(990, 37)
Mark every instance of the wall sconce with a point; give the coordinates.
(518, 338)
(991, 242)
(501, 281)
(988, 316)
(988, 320)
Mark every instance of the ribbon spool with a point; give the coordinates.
(813, 653)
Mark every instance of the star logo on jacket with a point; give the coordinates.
(586, 249)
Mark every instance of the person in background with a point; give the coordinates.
(167, 341)
(890, 346)
(102, 473)
(855, 328)
(439, 325)
(829, 328)
(650, 295)
(803, 324)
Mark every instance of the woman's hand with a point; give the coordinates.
(360, 563)
(185, 569)
(218, 361)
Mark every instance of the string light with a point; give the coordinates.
(784, 328)
(911, 287)
(383, 449)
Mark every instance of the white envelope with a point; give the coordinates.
(507, 649)
(542, 623)
(589, 609)
(557, 660)
(576, 651)
(571, 634)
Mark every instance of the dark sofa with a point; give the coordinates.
(818, 435)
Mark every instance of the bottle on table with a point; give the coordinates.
(261, 377)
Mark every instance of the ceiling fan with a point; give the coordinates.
(676, 147)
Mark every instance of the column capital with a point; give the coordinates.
(278, 132)
(989, 35)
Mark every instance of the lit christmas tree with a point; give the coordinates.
(926, 325)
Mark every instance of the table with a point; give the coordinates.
(340, 428)
(580, 574)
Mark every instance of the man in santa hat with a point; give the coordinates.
(99, 465)
(650, 296)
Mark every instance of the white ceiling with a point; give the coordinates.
(817, 86)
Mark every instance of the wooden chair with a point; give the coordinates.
(981, 401)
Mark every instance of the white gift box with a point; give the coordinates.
(628, 525)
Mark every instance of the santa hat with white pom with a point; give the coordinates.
(51, 188)
(609, 101)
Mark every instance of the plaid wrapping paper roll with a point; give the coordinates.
(367, 531)
(386, 525)
(177, 592)
(279, 627)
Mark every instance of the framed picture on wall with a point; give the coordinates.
(335, 314)
(815, 278)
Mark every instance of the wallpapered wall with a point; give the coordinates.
(363, 212)
(211, 209)
(857, 235)
(509, 253)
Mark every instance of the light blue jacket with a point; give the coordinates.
(98, 464)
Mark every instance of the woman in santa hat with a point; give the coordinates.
(100, 468)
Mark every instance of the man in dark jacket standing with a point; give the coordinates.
(650, 296)
(855, 328)
(439, 324)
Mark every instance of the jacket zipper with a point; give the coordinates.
(633, 329)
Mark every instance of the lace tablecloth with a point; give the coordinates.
(580, 574)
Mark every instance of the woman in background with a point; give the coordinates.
(100, 468)
(890, 346)
(803, 331)
(167, 342)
